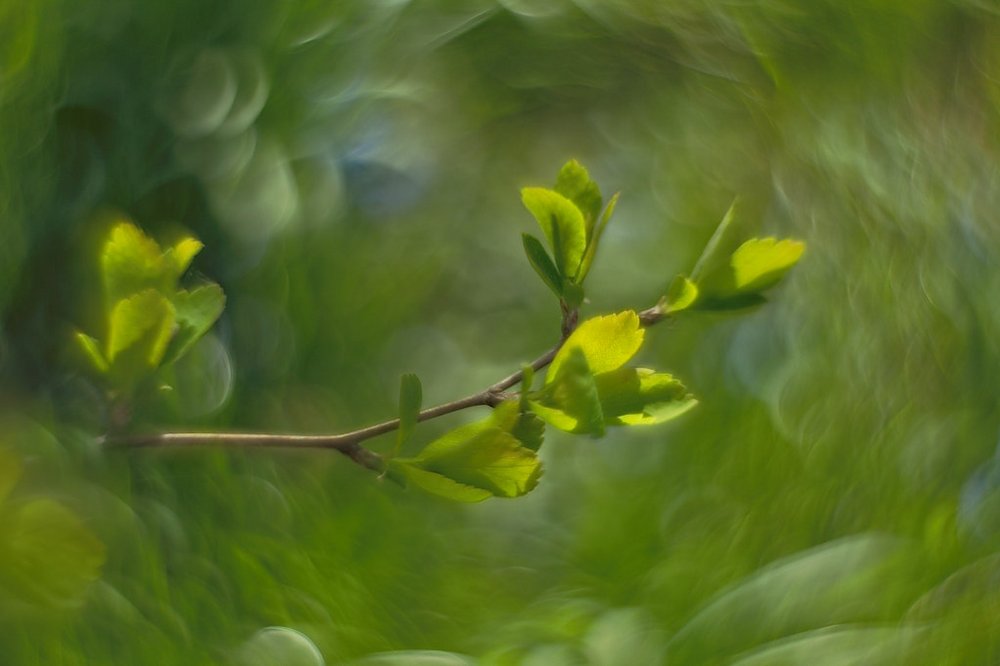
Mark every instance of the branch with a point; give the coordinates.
(349, 443)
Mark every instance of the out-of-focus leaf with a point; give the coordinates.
(606, 343)
(542, 263)
(594, 239)
(410, 399)
(563, 225)
(681, 294)
(570, 402)
(196, 311)
(575, 184)
(639, 396)
(92, 351)
(180, 255)
(836, 646)
(838, 582)
(131, 262)
(47, 556)
(147, 317)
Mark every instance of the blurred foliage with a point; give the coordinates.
(352, 169)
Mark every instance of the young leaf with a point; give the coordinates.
(482, 457)
(436, 484)
(639, 396)
(197, 310)
(130, 263)
(146, 317)
(542, 263)
(563, 225)
(92, 351)
(760, 263)
(595, 238)
(575, 184)
(570, 401)
(715, 250)
(681, 295)
(410, 398)
(180, 255)
(606, 343)
(756, 265)
(511, 416)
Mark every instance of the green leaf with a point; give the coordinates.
(91, 349)
(570, 401)
(436, 484)
(483, 457)
(756, 265)
(410, 398)
(639, 396)
(606, 343)
(511, 416)
(575, 184)
(563, 224)
(146, 318)
(47, 556)
(479, 460)
(717, 249)
(595, 238)
(542, 263)
(681, 295)
(131, 262)
(196, 311)
(760, 263)
(180, 255)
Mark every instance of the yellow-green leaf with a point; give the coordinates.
(571, 401)
(147, 317)
(47, 556)
(760, 263)
(91, 349)
(639, 396)
(482, 455)
(436, 484)
(607, 343)
(575, 184)
(563, 224)
(196, 311)
(180, 255)
(526, 427)
(131, 262)
(681, 294)
(594, 239)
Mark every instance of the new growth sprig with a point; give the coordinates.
(588, 386)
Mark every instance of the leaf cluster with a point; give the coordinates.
(150, 321)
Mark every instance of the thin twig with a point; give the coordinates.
(349, 443)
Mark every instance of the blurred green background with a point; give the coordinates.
(353, 170)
